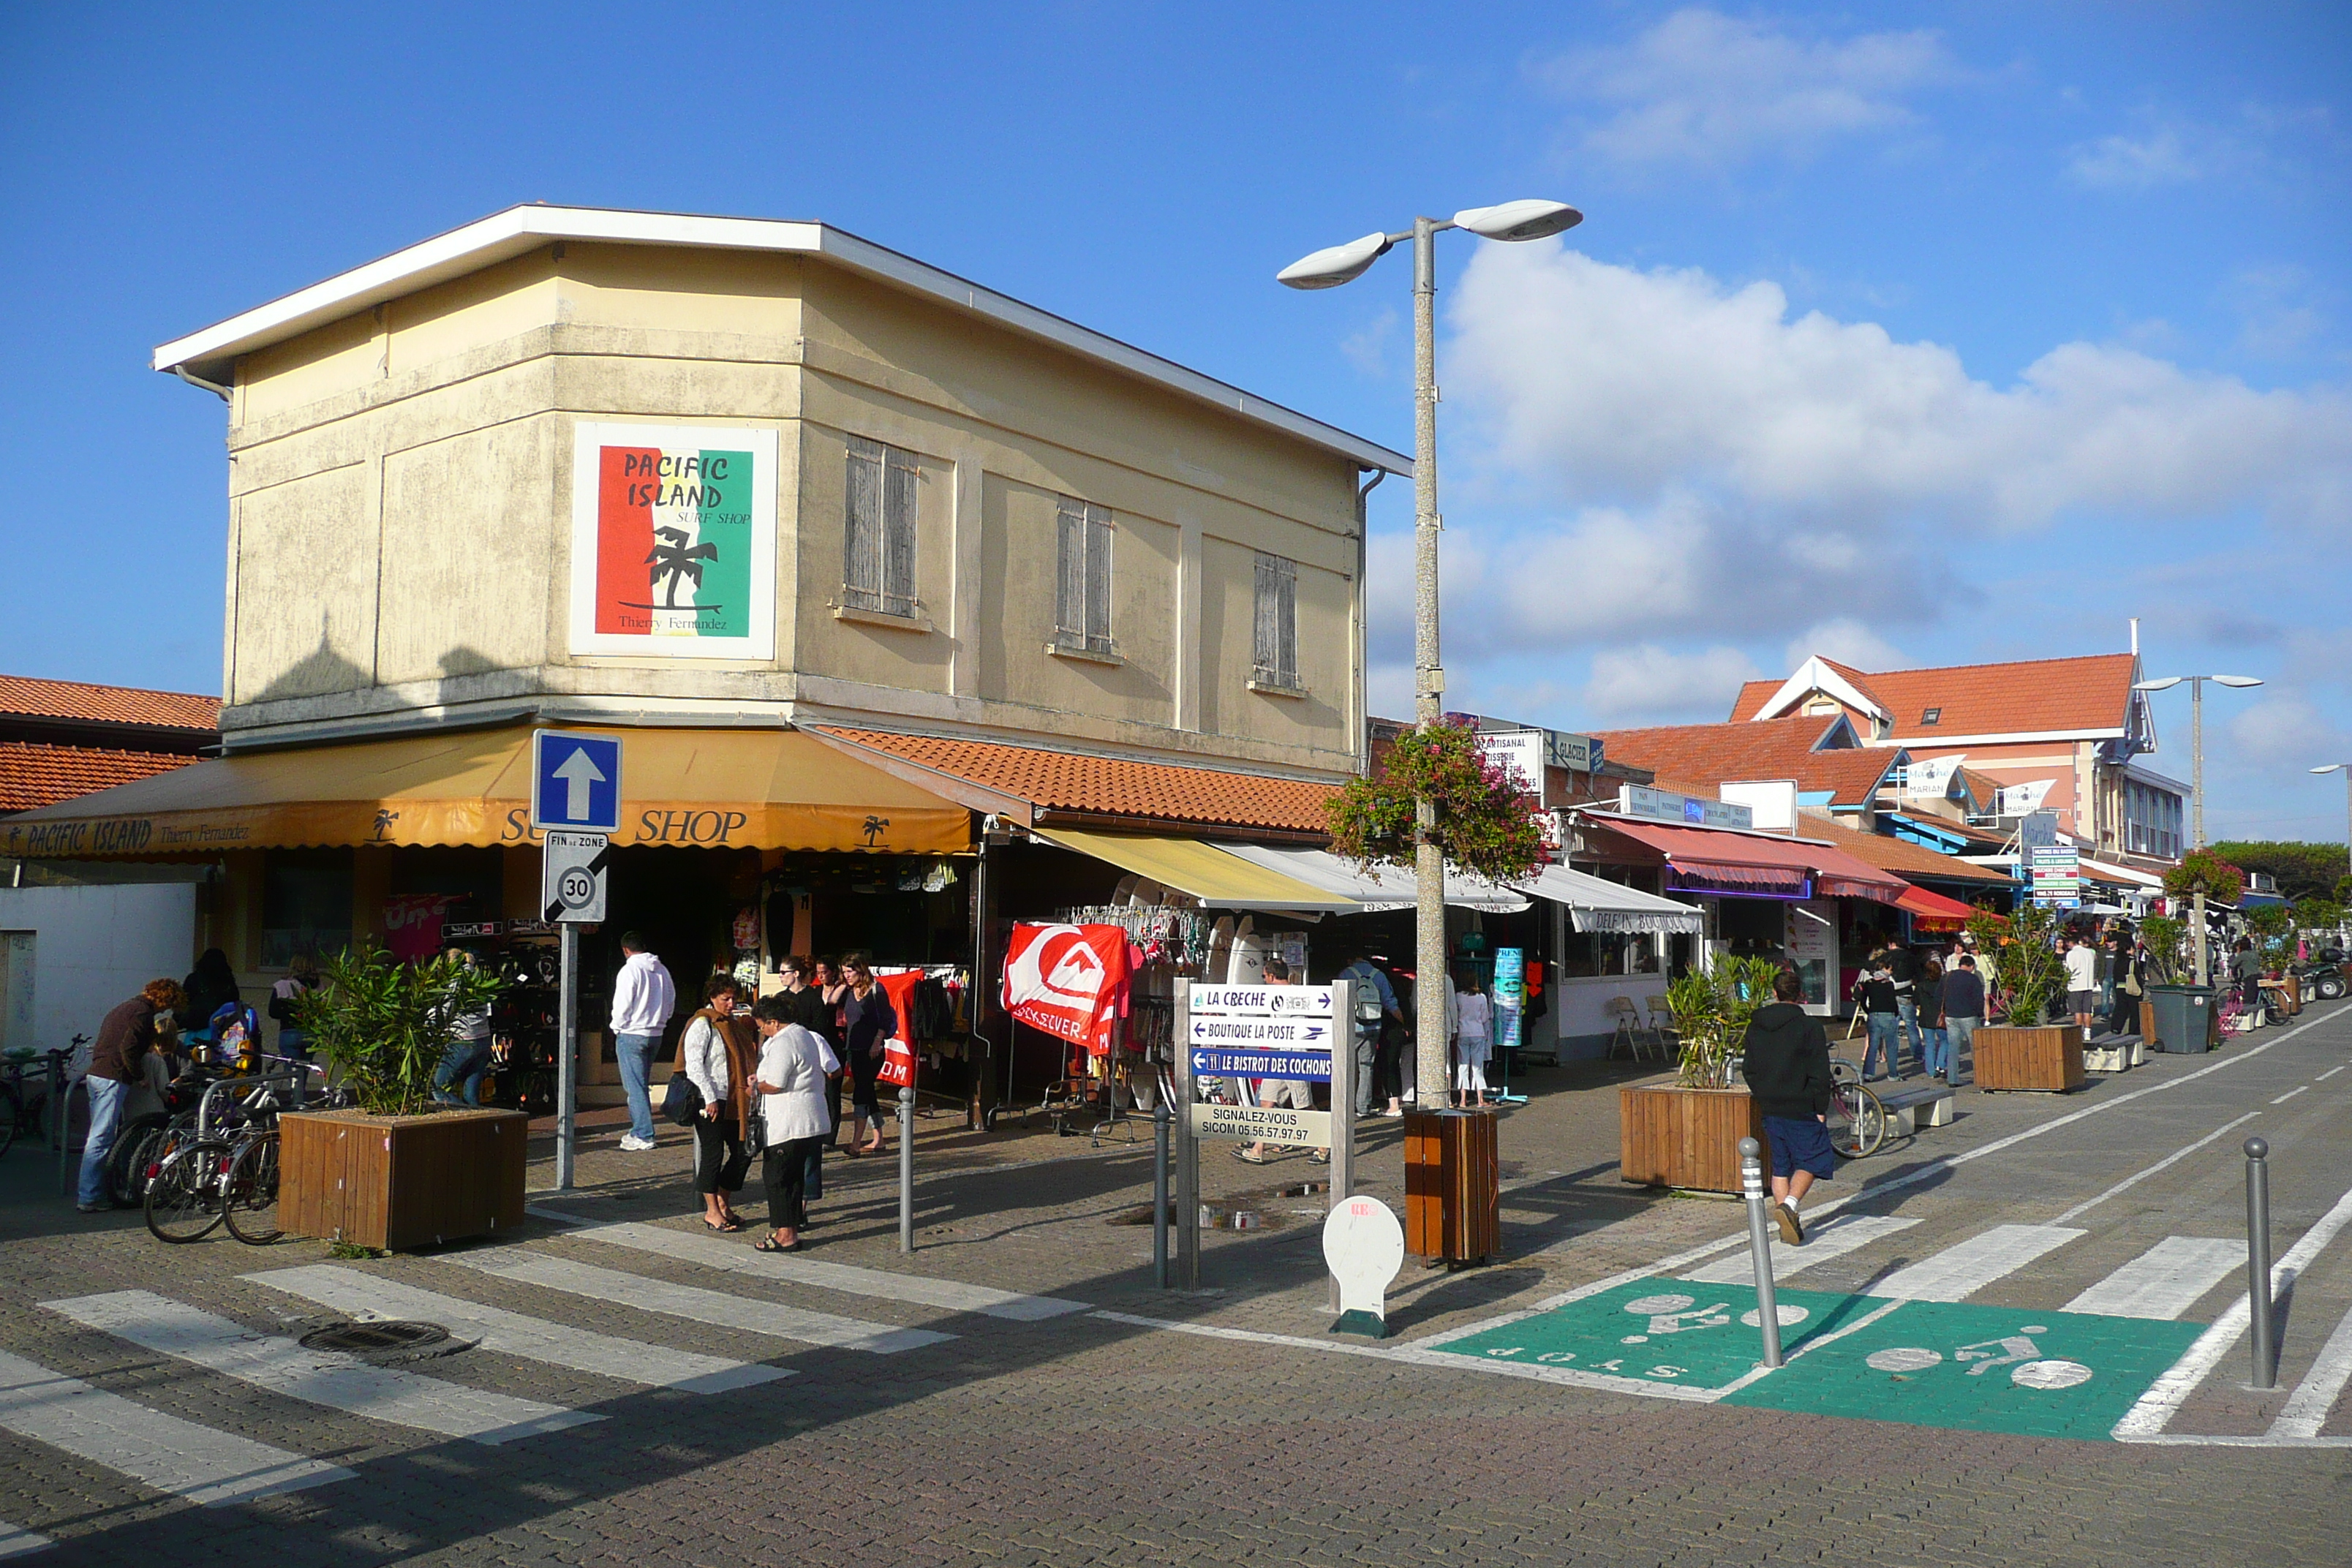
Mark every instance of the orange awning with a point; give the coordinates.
(1933, 912)
(758, 789)
(1701, 857)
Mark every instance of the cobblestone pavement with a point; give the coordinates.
(921, 1422)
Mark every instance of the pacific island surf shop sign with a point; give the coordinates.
(673, 541)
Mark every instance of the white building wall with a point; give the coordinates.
(96, 946)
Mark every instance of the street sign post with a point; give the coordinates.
(1245, 1032)
(575, 801)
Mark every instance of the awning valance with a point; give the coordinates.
(1933, 912)
(763, 789)
(1597, 904)
(1209, 872)
(1385, 888)
(1746, 862)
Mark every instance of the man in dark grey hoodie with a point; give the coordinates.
(1786, 1065)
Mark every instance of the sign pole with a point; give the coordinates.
(1188, 1146)
(1343, 1106)
(567, 1038)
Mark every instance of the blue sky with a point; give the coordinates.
(1909, 333)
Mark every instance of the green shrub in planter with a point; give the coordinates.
(384, 1025)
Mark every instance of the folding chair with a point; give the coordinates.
(1621, 1009)
(1661, 1027)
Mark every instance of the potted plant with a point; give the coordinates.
(1686, 1133)
(2021, 1051)
(396, 1170)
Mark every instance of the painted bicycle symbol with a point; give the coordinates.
(2029, 1368)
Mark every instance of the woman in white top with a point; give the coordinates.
(1474, 1044)
(718, 1054)
(793, 1066)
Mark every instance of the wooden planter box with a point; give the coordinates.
(1676, 1137)
(395, 1182)
(2047, 1060)
(1452, 1196)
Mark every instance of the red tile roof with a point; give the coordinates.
(24, 694)
(2030, 696)
(1714, 754)
(1108, 786)
(32, 776)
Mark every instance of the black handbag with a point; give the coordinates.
(681, 1103)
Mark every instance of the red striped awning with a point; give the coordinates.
(1764, 862)
(1933, 912)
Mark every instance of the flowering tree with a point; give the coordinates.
(2202, 871)
(1485, 823)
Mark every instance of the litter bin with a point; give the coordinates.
(2184, 1017)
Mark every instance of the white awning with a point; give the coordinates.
(1597, 904)
(1388, 888)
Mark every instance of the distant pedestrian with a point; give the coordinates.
(209, 987)
(644, 996)
(720, 1055)
(868, 1020)
(1475, 1043)
(805, 1000)
(1376, 1008)
(117, 1061)
(2081, 980)
(1964, 1013)
(1903, 968)
(299, 981)
(1785, 1061)
(1930, 997)
(791, 1083)
(1277, 1093)
(832, 989)
(1875, 990)
(466, 1059)
(2246, 969)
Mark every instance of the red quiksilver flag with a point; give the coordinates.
(1069, 980)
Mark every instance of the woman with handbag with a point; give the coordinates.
(718, 1055)
(792, 1065)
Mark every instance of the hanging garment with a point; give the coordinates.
(1069, 980)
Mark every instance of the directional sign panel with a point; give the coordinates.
(575, 781)
(1262, 1001)
(1309, 1067)
(572, 878)
(1263, 1124)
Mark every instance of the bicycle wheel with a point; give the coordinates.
(12, 1112)
(251, 1193)
(1857, 1121)
(183, 1192)
(133, 1155)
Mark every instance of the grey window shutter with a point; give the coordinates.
(861, 556)
(1097, 627)
(1286, 621)
(1266, 642)
(898, 532)
(1069, 574)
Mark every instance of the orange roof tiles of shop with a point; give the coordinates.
(2030, 696)
(1907, 861)
(1772, 749)
(107, 704)
(35, 775)
(1109, 786)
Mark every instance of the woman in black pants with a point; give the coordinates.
(792, 1065)
(867, 1020)
(717, 1056)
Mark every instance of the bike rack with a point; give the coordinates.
(260, 1081)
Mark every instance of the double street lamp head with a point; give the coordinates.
(2333, 767)
(2169, 681)
(1338, 264)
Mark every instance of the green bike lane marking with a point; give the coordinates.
(1928, 1363)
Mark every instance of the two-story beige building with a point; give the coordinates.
(854, 552)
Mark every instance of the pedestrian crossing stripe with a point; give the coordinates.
(16, 1539)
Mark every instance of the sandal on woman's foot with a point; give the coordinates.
(769, 1243)
(1321, 1158)
(710, 1224)
(1246, 1158)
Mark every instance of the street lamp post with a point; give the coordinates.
(1327, 269)
(2197, 775)
(2345, 769)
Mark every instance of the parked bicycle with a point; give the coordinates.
(25, 1091)
(220, 1165)
(1857, 1120)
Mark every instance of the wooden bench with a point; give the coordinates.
(1909, 1109)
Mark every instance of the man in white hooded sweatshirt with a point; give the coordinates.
(644, 996)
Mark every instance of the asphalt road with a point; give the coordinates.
(922, 1420)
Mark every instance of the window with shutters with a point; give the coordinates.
(878, 546)
(1082, 580)
(1277, 657)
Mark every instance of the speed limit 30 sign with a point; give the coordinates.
(573, 882)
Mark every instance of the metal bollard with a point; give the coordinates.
(2258, 1261)
(1161, 1120)
(1760, 1246)
(907, 1170)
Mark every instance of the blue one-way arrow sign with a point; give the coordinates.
(575, 781)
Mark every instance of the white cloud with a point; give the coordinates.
(2164, 157)
(1831, 440)
(1650, 684)
(1714, 91)
(1849, 642)
(2284, 730)
(1368, 348)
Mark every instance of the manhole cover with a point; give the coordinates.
(391, 1339)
